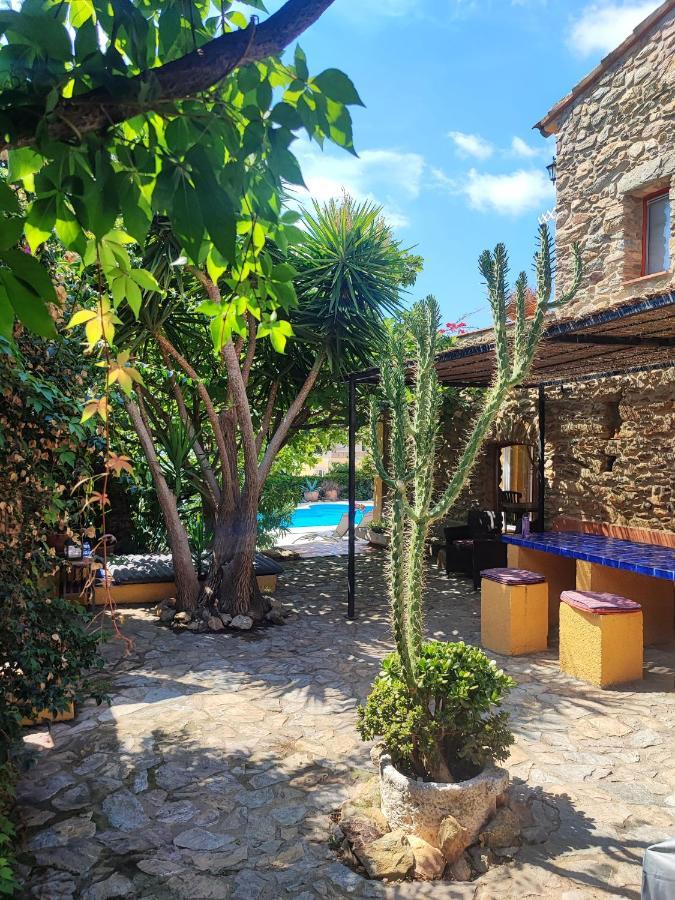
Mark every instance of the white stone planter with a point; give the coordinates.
(377, 538)
(419, 807)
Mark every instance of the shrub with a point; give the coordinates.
(449, 718)
(339, 473)
(379, 526)
(329, 485)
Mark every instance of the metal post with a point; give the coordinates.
(351, 549)
(541, 468)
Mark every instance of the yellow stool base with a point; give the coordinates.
(513, 618)
(603, 650)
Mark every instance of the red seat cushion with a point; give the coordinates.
(513, 576)
(600, 604)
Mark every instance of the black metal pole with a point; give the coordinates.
(541, 469)
(351, 548)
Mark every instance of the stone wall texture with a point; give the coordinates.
(610, 451)
(615, 144)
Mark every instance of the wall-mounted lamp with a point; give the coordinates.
(551, 169)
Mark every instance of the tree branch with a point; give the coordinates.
(267, 416)
(202, 459)
(280, 434)
(250, 349)
(168, 347)
(98, 110)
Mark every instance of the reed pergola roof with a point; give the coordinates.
(630, 337)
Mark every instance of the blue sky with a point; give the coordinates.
(452, 89)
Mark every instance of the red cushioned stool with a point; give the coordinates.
(513, 611)
(600, 637)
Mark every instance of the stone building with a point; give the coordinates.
(609, 442)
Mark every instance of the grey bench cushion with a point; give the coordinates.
(152, 568)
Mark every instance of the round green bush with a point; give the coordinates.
(445, 726)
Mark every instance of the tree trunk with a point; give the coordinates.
(231, 585)
(185, 576)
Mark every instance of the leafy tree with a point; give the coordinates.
(231, 406)
(117, 117)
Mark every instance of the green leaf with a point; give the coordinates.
(11, 231)
(336, 85)
(134, 296)
(145, 279)
(8, 198)
(40, 221)
(30, 271)
(300, 61)
(30, 309)
(22, 162)
(6, 313)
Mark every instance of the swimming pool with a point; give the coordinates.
(320, 515)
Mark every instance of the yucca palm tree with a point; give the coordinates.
(351, 272)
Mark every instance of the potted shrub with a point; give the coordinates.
(436, 705)
(330, 490)
(310, 490)
(378, 533)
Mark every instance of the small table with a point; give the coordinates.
(77, 578)
(591, 562)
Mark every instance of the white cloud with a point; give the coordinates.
(603, 26)
(522, 148)
(390, 178)
(471, 144)
(511, 194)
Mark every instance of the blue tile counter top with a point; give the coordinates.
(645, 559)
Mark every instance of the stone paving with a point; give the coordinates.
(214, 772)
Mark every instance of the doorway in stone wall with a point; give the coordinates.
(515, 479)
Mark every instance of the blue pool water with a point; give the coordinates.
(317, 515)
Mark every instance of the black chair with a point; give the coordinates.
(475, 546)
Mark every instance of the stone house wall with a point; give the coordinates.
(615, 144)
(610, 451)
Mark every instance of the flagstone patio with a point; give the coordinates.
(214, 772)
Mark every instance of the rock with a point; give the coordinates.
(124, 811)
(201, 839)
(75, 798)
(242, 623)
(360, 829)
(503, 829)
(167, 614)
(376, 752)
(388, 857)
(194, 626)
(65, 832)
(460, 870)
(429, 861)
(275, 618)
(480, 859)
(368, 794)
(215, 623)
(226, 619)
(115, 886)
(182, 618)
(452, 838)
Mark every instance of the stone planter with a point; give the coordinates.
(311, 496)
(330, 494)
(378, 538)
(419, 807)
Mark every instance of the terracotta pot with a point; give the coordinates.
(330, 495)
(311, 496)
(419, 807)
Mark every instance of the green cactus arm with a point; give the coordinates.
(520, 327)
(488, 414)
(577, 273)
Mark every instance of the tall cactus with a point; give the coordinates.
(409, 395)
